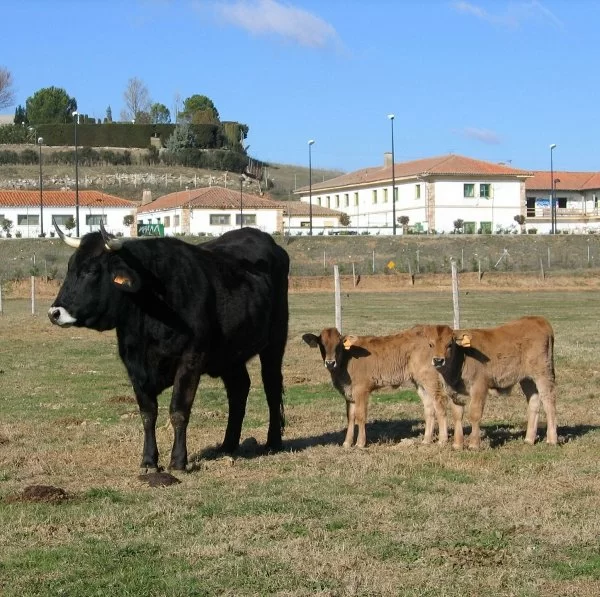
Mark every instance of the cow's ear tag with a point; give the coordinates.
(121, 280)
(349, 341)
(465, 341)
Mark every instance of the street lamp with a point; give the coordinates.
(76, 115)
(552, 198)
(310, 144)
(391, 117)
(40, 142)
(241, 203)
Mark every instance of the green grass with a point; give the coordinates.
(397, 518)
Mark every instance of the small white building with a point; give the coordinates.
(210, 210)
(432, 193)
(576, 194)
(31, 212)
(297, 217)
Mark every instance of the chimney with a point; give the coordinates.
(387, 159)
(146, 197)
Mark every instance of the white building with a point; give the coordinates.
(432, 192)
(31, 213)
(210, 210)
(577, 195)
(297, 217)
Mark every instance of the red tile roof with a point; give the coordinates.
(301, 208)
(17, 198)
(567, 181)
(447, 165)
(209, 197)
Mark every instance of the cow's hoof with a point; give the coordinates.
(346, 445)
(147, 470)
(174, 466)
(457, 446)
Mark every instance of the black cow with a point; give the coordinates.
(180, 311)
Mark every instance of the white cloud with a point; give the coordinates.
(514, 14)
(483, 135)
(270, 17)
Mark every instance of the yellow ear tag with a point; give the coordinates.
(122, 281)
(465, 341)
(349, 341)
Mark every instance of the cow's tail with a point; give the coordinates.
(551, 355)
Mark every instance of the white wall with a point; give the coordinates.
(113, 219)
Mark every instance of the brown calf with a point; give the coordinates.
(360, 364)
(475, 362)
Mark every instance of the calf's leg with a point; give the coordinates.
(547, 389)
(533, 407)
(350, 414)
(457, 417)
(478, 395)
(361, 399)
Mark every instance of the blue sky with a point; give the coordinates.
(495, 80)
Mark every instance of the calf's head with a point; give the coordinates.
(444, 343)
(333, 346)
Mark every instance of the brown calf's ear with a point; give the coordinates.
(311, 340)
(463, 340)
(349, 341)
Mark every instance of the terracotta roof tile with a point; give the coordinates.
(209, 197)
(567, 181)
(51, 198)
(301, 208)
(447, 165)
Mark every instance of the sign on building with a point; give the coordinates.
(151, 230)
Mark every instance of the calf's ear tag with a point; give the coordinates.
(349, 341)
(465, 341)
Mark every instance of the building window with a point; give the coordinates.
(469, 190)
(417, 191)
(530, 207)
(374, 196)
(561, 202)
(61, 219)
(337, 200)
(395, 194)
(175, 220)
(167, 221)
(385, 195)
(318, 200)
(93, 219)
(28, 220)
(346, 200)
(328, 201)
(220, 219)
(247, 219)
(485, 190)
(469, 228)
(305, 224)
(485, 227)
(355, 198)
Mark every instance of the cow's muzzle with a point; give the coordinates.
(438, 362)
(330, 365)
(60, 316)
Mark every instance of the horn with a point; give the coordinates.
(72, 242)
(110, 243)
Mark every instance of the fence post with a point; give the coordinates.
(338, 298)
(373, 260)
(1, 311)
(455, 294)
(353, 275)
(33, 295)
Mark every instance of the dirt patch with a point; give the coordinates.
(121, 400)
(159, 479)
(40, 493)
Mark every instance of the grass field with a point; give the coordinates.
(397, 518)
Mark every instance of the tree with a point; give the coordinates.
(137, 99)
(109, 114)
(70, 224)
(128, 220)
(520, 220)
(159, 114)
(181, 138)
(6, 225)
(7, 94)
(458, 226)
(344, 219)
(403, 220)
(50, 105)
(21, 116)
(199, 109)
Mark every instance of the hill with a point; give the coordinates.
(129, 181)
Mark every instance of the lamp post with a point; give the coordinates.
(310, 144)
(241, 203)
(391, 117)
(40, 142)
(552, 198)
(76, 115)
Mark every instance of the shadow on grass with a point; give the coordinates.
(499, 435)
(383, 431)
